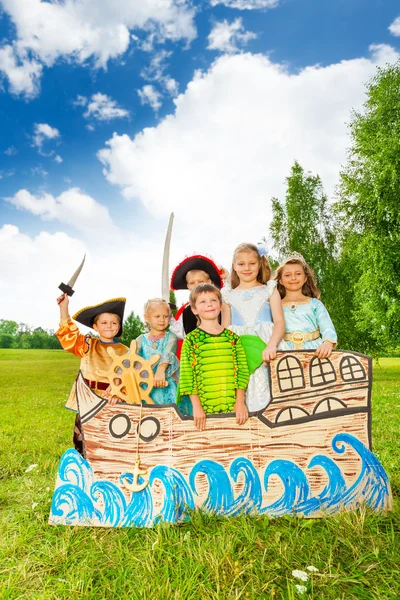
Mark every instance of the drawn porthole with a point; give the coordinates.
(328, 404)
(119, 426)
(321, 371)
(290, 414)
(290, 374)
(351, 369)
(149, 429)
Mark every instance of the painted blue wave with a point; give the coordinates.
(80, 499)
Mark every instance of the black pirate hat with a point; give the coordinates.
(86, 316)
(196, 263)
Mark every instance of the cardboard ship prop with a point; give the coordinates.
(307, 453)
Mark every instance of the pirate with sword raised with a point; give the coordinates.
(106, 319)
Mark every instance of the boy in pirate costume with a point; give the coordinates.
(106, 319)
(191, 272)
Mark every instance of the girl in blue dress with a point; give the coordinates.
(308, 324)
(160, 341)
(252, 306)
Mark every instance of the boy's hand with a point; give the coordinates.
(241, 412)
(324, 350)
(63, 300)
(269, 354)
(199, 417)
(111, 399)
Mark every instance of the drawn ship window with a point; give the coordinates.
(149, 429)
(119, 426)
(290, 374)
(291, 413)
(328, 404)
(351, 369)
(321, 371)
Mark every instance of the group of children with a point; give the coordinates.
(212, 375)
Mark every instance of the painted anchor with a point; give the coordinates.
(135, 486)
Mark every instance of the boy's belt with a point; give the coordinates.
(97, 385)
(298, 337)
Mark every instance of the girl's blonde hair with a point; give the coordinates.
(310, 287)
(264, 269)
(153, 301)
(202, 288)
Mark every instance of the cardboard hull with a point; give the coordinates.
(307, 453)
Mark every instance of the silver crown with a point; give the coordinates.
(295, 256)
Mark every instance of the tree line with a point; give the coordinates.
(351, 241)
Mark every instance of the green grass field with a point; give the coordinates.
(357, 555)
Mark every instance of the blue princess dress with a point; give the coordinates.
(307, 318)
(251, 314)
(166, 347)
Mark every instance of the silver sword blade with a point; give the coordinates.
(165, 264)
(75, 276)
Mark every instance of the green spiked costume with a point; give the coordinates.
(213, 367)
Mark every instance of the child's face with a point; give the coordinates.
(246, 266)
(194, 278)
(293, 277)
(107, 326)
(207, 306)
(157, 317)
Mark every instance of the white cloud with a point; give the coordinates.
(11, 151)
(394, 28)
(155, 72)
(103, 108)
(129, 266)
(232, 140)
(246, 4)
(39, 171)
(22, 73)
(72, 207)
(157, 66)
(229, 37)
(30, 271)
(80, 101)
(149, 95)
(58, 159)
(43, 132)
(8, 173)
(82, 30)
(171, 85)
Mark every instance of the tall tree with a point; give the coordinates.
(133, 327)
(304, 223)
(368, 207)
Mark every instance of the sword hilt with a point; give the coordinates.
(67, 289)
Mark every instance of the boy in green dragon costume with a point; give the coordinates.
(214, 371)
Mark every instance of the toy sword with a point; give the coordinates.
(165, 265)
(67, 287)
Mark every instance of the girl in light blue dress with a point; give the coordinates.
(308, 324)
(160, 341)
(252, 306)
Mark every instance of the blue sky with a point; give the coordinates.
(115, 113)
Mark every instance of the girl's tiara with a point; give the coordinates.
(295, 256)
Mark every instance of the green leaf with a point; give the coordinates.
(253, 347)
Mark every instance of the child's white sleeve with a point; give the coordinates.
(176, 326)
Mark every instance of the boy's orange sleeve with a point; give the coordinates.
(71, 339)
